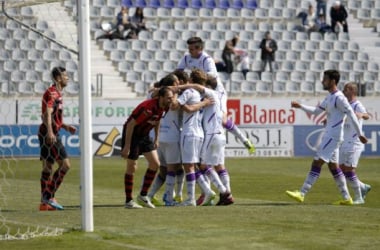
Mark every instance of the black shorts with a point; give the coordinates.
(52, 152)
(139, 145)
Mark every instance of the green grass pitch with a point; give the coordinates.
(263, 217)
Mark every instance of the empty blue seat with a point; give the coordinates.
(154, 4)
(237, 4)
(210, 4)
(251, 4)
(140, 3)
(168, 4)
(224, 4)
(183, 4)
(196, 4)
(127, 3)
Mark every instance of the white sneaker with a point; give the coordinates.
(132, 204)
(188, 203)
(145, 201)
(207, 201)
(358, 202)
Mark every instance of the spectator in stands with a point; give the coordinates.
(338, 15)
(268, 48)
(308, 20)
(323, 27)
(228, 53)
(124, 23)
(138, 20)
(321, 7)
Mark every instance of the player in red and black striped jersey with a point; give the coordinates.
(136, 141)
(51, 145)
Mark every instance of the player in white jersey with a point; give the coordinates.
(212, 153)
(168, 149)
(351, 148)
(337, 108)
(197, 58)
(191, 139)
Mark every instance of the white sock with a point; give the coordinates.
(180, 178)
(190, 184)
(157, 184)
(211, 173)
(203, 183)
(354, 183)
(170, 180)
(310, 179)
(340, 181)
(225, 178)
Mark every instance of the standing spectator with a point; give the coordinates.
(337, 108)
(136, 141)
(51, 145)
(338, 15)
(351, 149)
(268, 48)
(321, 7)
(228, 52)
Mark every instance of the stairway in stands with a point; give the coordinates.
(65, 29)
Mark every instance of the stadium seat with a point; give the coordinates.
(72, 89)
(263, 88)
(140, 3)
(154, 4)
(174, 35)
(17, 76)
(307, 88)
(154, 66)
(223, 26)
(191, 13)
(127, 3)
(237, 4)
(161, 56)
(247, 14)
(261, 14)
(219, 14)
(164, 14)
(307, 55)
(113, 3)
(208, 26)
(178, 13)
(204, 34)
(39, 88)
(196, 4)
(209, 4)
(18, 55)
(159, 35)
(251, 4)
(293, 88)
(168, 45)
(124, 66)
(7, 89)
(118, 56)
(224, 4)
(248, 87)
(25, 88)
(10, 66)
(145, 36)
(183, 4)
(148, 77)
(146, 55)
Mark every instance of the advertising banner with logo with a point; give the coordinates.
(307, 139)
(7, 112)
(104, 112)
(22, 141)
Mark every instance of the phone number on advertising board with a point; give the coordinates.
(259, 153)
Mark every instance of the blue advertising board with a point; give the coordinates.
(306, 139)
(22, 141)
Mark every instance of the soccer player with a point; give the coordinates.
(212, 153)
(351, 149)
(169, 152)
(51, 145)
(337, 108)
(197, 58)
(191, 140)
(136, 141)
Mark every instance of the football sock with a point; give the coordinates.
(211, 173)
(202, 182)
(180, 178)
(354, 183)
(170, 181)
(231, 127)
(57, 179)
(45, 179)
(310, 179)
(147, 181)
(225, 178)
(340, 181)
(190, 184)
(128, 186)
(157, 184)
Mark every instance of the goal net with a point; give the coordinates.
(36, 36)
